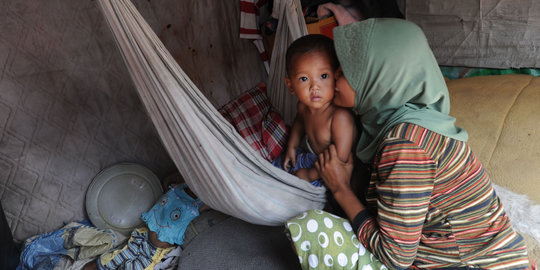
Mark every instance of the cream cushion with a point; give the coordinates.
(502, 116)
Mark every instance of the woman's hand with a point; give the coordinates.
(335, 173)
(337, 176)
(343, 16)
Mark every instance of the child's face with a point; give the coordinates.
(344, 94)
(311, 79)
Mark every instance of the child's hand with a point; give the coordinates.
(290, 159)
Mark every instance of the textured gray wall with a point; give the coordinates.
(68, 108)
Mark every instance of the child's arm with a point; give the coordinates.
(343, 132)
(297, 131)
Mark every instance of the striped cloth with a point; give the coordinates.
(250, 11)
(137, 254)
(436, 207)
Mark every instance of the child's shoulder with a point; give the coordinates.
(342, 118)
(342, 113)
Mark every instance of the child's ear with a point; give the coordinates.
(289, 85)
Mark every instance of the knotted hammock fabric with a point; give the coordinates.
(217, 164)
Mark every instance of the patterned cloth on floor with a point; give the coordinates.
(137, 254)
(78, 241)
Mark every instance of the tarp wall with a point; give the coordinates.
(67, 105)
(480, 33)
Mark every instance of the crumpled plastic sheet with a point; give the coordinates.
(75, 240)
(43, 252)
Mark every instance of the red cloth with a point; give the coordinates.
(249, 27)
(253, 117)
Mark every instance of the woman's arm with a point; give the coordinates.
(406, 174)
(337, 175)
(405, 180)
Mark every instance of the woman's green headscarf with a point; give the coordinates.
(396, 78)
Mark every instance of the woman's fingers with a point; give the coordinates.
(350, 158)
(321, 159)
(327, 156)
(333, 151)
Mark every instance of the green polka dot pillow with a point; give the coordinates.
(326, 241)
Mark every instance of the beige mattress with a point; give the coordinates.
(502, 116)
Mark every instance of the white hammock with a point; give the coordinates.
(218, 165)
(291, 25)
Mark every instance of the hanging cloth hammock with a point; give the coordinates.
(291, 25)
(217, 164)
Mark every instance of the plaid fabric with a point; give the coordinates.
(253, 117)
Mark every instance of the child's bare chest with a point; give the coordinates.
(318, 130)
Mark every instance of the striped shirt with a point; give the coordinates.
(138, 254)
(434, 206)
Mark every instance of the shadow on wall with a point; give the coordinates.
(67, 110)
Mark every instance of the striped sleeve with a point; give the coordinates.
(405, 174)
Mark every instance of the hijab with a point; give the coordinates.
(396, 79)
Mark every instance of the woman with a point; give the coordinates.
(430, 203)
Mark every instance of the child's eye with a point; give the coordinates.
(303, 79)
(324, 76)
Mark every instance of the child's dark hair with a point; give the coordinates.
(310, 43)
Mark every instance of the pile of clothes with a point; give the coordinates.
(153, 246)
